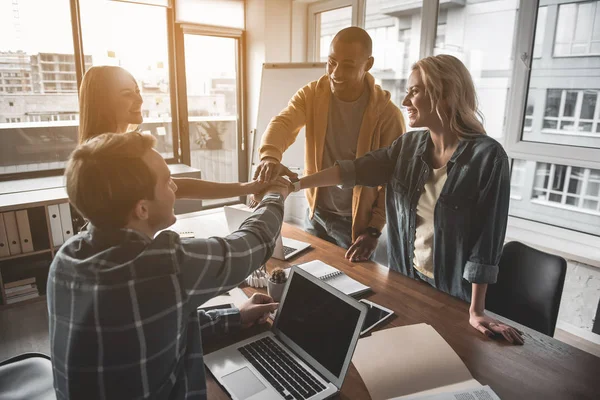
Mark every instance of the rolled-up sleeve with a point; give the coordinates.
(492, 211)
(221, 321)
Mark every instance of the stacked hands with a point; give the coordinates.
(269, 176)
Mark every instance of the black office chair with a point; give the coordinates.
(529, 287)
(27, 376)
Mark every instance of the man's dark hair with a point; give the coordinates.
(354, 34)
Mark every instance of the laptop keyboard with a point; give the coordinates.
(288, 377)
(288, 250)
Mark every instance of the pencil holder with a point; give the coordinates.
(276, 284)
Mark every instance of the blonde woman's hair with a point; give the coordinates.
(96, 112)
(452, 92)
(106, 177)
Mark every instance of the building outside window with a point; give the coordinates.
(558, 113)
(578, 29)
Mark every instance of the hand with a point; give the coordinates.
(490, 326)
(256, 187)
(270, 168)
(279, 185)
(362, 248)
(257, 309)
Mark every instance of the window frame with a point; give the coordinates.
(185, 145)
(523, 53)
(314, 21)
(79, 57)
(517, 148)
(590, 40)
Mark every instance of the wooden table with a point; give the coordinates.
(543, 368)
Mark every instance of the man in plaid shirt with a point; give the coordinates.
(122, 303)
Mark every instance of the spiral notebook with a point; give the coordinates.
(334, 277)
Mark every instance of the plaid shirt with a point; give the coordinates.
(123, 311)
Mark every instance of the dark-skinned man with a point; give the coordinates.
(346, 115)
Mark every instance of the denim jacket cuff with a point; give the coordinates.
(348, 173)
(480, 273)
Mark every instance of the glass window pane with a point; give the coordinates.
(560, 172)
(556, 198)
(566, 88)
(572, 201)
(562, 49)
(540, 31)
(542, 174)
(482, 37)
(585, 19)
(109, 38)
(570, 103)
(566, 20)
(38, 87)
(331, 22)
(581, 214)
(575, 186)
(212, 87)
(588, 106)
(593, 189)
(578, 49)
(585, 127)
(395, 30)
(596, 32)
(568, 126)
(553, 97)
(550, 124)
(590, 205)
(538, 194)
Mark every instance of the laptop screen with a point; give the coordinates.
(319, 322)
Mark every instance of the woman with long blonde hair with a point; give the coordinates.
(447, 190)
(110, 101)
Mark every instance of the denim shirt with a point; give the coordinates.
(470, 215)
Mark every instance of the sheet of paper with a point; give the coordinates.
(234, 296)
(448, 389)
(407, 360)
(477, 393)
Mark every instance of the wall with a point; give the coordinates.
(275, 32)
(580, 300)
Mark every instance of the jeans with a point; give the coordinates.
(331, 227)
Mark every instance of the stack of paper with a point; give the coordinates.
(407, 361)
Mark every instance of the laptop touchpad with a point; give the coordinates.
(243, 383)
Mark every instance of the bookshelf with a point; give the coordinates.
(40, 220)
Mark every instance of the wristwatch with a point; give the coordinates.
(296, 185)
(373, 232)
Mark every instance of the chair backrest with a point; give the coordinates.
(27, 376)
(529, 287)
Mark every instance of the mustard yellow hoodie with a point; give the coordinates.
(382, 123)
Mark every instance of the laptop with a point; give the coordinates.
(285, 248)
(306, 353)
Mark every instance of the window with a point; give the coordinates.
(328, 24)
(24, 48)
(517, 179)
(540, 31)
(572, 187)
(578, 29)
(212, 106)
(396, 39)
(110, 38)
(481, 36)
(560, 195)
(571, 112)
